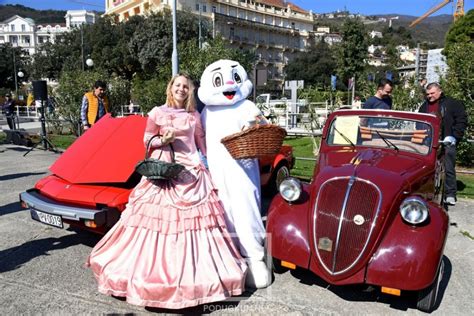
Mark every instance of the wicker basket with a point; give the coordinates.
(255, 142)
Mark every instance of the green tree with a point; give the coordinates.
(459, 84)
(194, 60)
(7, 68)
(46, 63)
(152, 43)
(314, 67)
(459, 81)
(460, 32)
(352, 53)
(73, 85)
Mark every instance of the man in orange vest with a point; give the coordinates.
(95, 104)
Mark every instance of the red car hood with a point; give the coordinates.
(106, 153)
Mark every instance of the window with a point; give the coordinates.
(12, 27)
(204, 8)
(214, 9)
(23, 27)
(136, 10)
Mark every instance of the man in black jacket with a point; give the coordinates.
(8, 109)
(454, 122)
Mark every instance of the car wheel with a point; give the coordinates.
(278, 175)
(428, 297)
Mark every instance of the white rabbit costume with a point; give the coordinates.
(223, 89)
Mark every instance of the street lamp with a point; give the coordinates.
(20, 75)
(89, 62)
(174, 55)
(16, 75)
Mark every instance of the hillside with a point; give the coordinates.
(431, 30)
(39, 16)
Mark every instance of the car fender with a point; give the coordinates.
(408, 256)
(287, 230)
(279, 158)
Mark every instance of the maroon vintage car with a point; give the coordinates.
(373, 213)
(91, 181)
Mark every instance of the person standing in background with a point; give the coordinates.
(95, 105)
(382, 99)
(454, 122)
(7, 108)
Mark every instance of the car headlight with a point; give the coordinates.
(414, 210)
(290, 189)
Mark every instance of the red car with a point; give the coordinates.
(91, 181)
(373, 213)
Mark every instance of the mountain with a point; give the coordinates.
(431, 30)
(39, 16)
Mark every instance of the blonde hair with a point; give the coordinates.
(190, 102)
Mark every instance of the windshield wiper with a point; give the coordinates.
(386, 141)
(345, 137)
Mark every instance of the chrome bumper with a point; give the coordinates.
(36, 201)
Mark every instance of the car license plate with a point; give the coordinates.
(49, 219)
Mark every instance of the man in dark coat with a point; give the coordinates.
(454, 122)
(8, 109)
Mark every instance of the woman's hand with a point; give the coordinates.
(168, 137)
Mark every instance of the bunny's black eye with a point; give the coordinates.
(217, 79)
(237, 78)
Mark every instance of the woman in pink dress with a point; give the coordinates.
(171, 248)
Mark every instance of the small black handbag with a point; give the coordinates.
(156, 169)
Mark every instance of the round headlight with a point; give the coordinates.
(414, 210)
(290, 189)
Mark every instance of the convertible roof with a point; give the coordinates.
(106, 153)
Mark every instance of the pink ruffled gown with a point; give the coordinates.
(171, 248)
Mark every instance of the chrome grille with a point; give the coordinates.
(345, 212)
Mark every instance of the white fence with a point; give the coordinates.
(307, 119)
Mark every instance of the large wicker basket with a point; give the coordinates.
(255, 142)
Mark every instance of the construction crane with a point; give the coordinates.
(390, 20)
(459, 12)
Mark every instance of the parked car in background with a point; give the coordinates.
(91, 181)
(373, 213)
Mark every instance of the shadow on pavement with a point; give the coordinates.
(10, 208)
(365, 293)
(19, 175)
(197, 310)
(13, 258)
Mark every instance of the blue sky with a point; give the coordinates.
(367, 7)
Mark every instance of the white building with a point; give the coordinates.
(407, 56)
(75, 18)
(436, 66)
(277, 30)
(25, 33)
(375, 34)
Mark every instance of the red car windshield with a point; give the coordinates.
(382, 132)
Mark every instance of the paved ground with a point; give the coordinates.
(42, 272)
